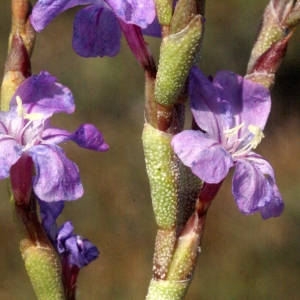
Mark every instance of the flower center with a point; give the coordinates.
(22, 113)
(31, 132)
(233, 131)
(242, 146)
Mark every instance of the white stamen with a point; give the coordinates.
(232, 131)
(21, 111)
(20, 108)
(258, 135)
(35, 131)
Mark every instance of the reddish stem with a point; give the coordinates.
(69, 277)
(138, 46)
(21, 180)
(206, 196)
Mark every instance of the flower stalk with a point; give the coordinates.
(39, 257)
(174, 189)
(21, 9)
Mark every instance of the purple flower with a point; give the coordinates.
(25, 130)
(96, 28)
(74, 248)
(49, 212)
(231, 113)
(80, 251)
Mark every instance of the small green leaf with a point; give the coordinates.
(163, 173)
(42, 268)
(164, 10)
(177, 56)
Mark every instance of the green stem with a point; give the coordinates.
(167, 290)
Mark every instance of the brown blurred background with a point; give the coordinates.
(243, 257)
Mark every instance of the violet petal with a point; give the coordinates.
(89, 137)
(45, 11)
(10, 122)
(65, 231)
(54, 135)
(211, 111)
(138, 12)
(49, 213)
(275, 207)
(206, 158)
(154, 29)
(42, 94)
(250, 188)
(82, 251)
(248, 99)
(57, 178)
(10, 152)
(96, 32)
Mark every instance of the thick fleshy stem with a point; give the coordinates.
(186, 251)
(178, 52)
(192, 234)
(163, 172)
(171, 203)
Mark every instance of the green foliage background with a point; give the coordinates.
(242, 257)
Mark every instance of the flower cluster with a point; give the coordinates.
(25, 130)
(78, 251)
(231, 113)
(96, 27)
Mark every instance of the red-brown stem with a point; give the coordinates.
(69, 277)
(18, 58)
(150, 104)
(21, 180)
(164, 117)
(20, 12)
(165, 31)
(206, 196)
(138, 46)
(21, 9)
(24, 202)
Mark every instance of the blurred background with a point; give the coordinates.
(242, 257)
